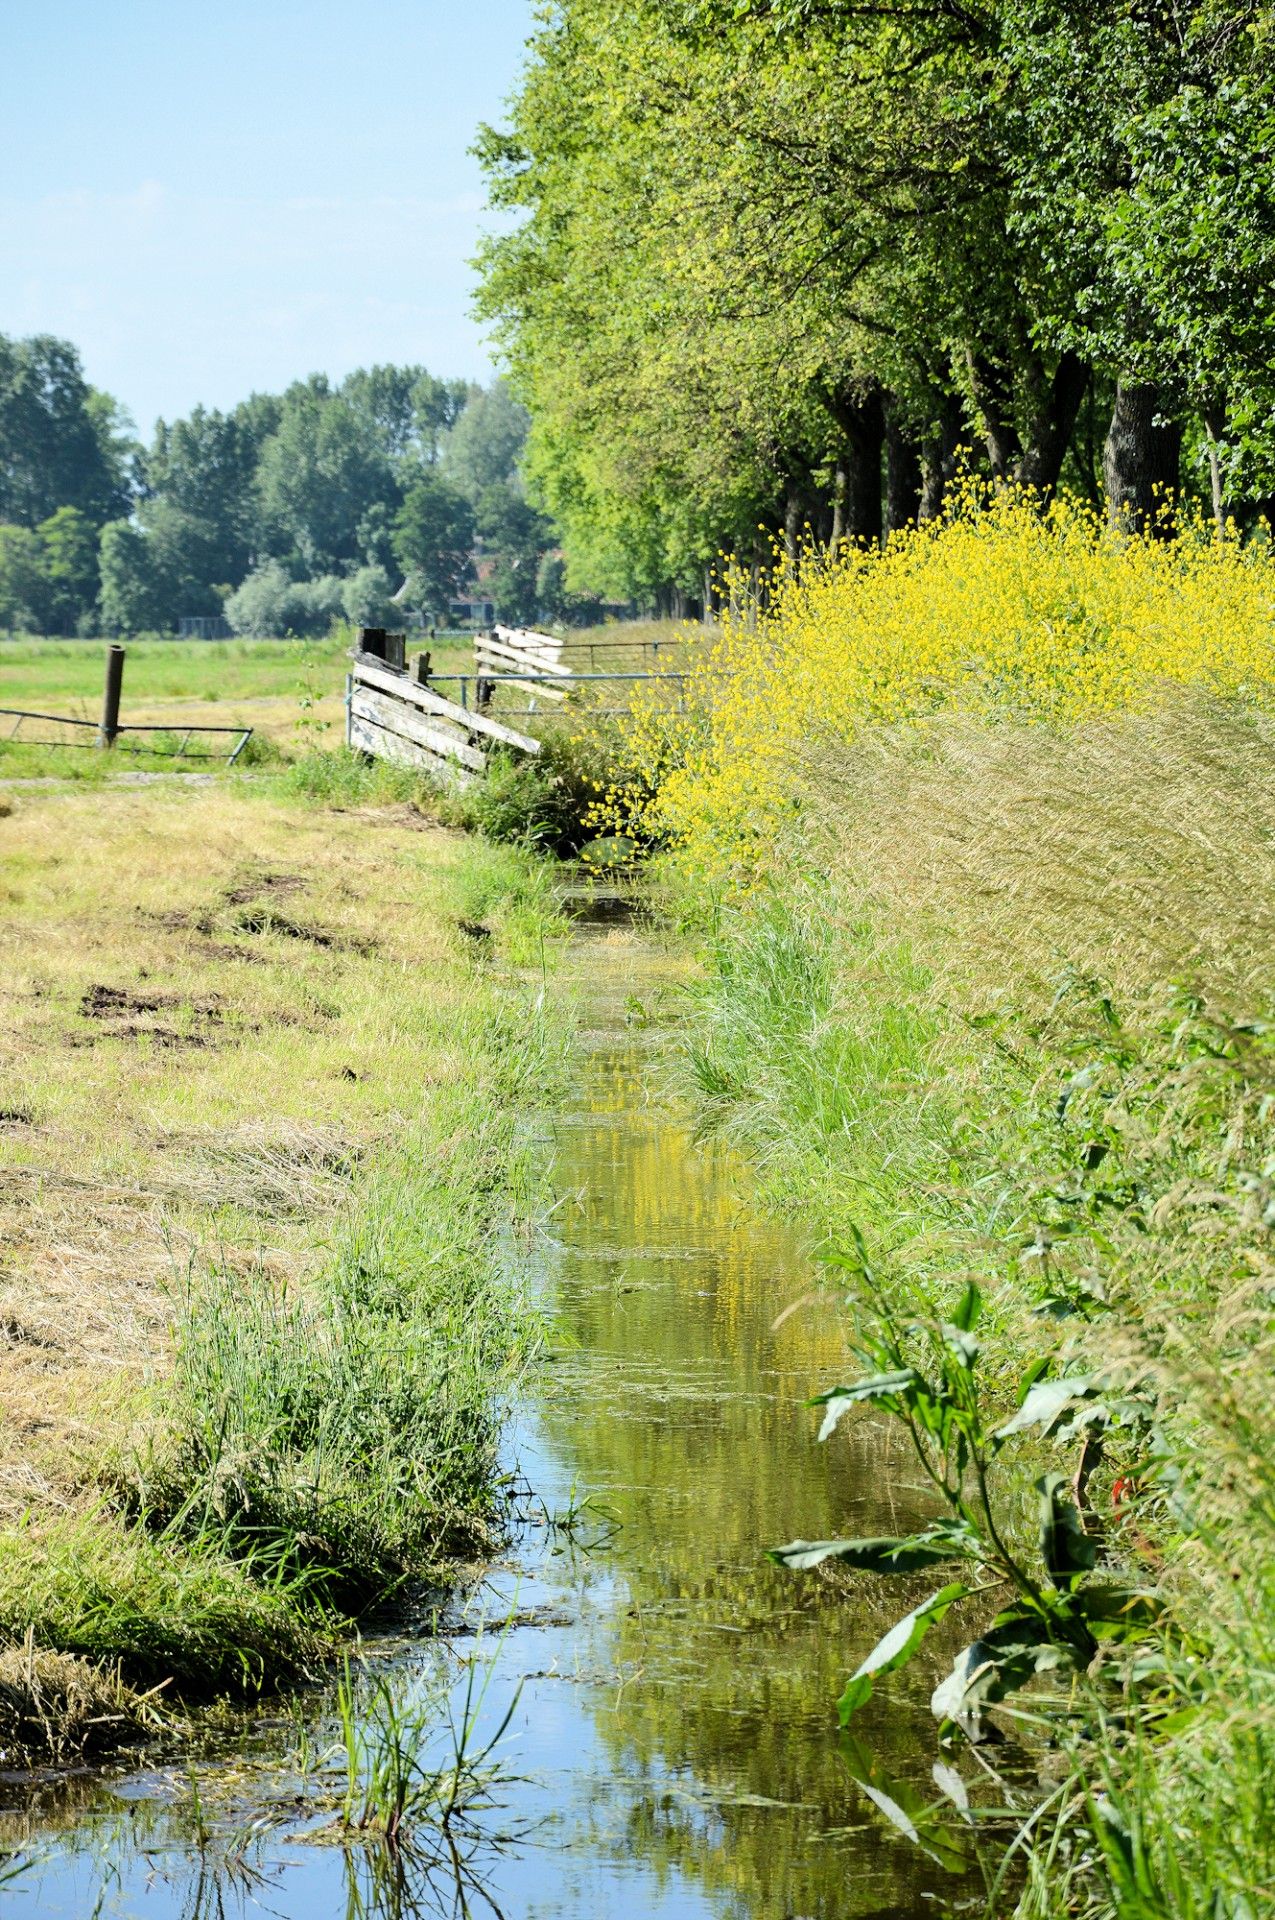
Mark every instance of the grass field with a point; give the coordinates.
(259, 1084)
(289, 691)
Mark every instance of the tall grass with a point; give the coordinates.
(346, 1430)
(977, 832)
(1106, 1180)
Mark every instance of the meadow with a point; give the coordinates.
(261, 1071)
(289, 691)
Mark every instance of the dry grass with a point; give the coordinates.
(1138, 849)
(196, 1043)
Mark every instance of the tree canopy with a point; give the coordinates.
(778, 259)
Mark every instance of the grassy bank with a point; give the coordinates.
(260, 1079)
(986, 998)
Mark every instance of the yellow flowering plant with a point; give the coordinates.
(999, 610)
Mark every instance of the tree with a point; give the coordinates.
(433, 540)
(136, 594)
(767, 248)
(271, 604)
(21, 578)
(319, 473)
(201, 505)
(409, 408)
(60, 443)
(484, 446)
(69, 571)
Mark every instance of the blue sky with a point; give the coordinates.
(214, 198)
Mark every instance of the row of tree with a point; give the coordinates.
(280, 514)
(788, 263)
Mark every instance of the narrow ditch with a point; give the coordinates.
(669, 1746)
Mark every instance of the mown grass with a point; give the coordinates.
(1001, 1004)
(260, 1083)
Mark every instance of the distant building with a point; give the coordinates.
(481, 612)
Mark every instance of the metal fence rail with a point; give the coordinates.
(241, 735)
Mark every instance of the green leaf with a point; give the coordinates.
(947, 1540)
(971, 1306)
(1013, 1651)
(897, 1647)
(1120, 1613)
(1047, 1401)
(960, 1343)
(1127, 1863)
(1067, 1550)
(1041, 1364)
(878, 1386)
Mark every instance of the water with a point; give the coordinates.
(672, 1751)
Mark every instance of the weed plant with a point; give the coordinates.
(1102, 1176)
(414, 1759)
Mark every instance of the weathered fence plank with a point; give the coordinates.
(371, 673)
(395, 717)
(365, 735)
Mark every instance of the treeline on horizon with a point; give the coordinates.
(788, 265)
(284, 513)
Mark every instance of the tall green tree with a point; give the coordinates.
(62, 444)
(320, 472)
(433, 541)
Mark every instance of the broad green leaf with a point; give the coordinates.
(878, 1386)
(897, 1647)
(1119, 1613)
(1013, 1651)
(883, 1555)
(1067, 1550)
(1046, 1402)
(964, 1345)
(1041, 1364)
(949, 1782)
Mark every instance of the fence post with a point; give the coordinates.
(111, 696)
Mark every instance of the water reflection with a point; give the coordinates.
(672, 1753)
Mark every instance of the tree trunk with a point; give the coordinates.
(792, 522)
(1140, 461)
(860, 414)
(838, 533)
(1215, 427)
(902, 472)
(938, 457)
(1054, 403)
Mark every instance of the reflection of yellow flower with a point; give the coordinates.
(1000, 610)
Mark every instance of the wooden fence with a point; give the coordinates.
(396, 715)
(395, 710)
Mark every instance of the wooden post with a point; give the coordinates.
(111, 696)
(371, 640)
(420, 669)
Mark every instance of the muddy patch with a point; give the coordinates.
(121, 1013)
(276, 886)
